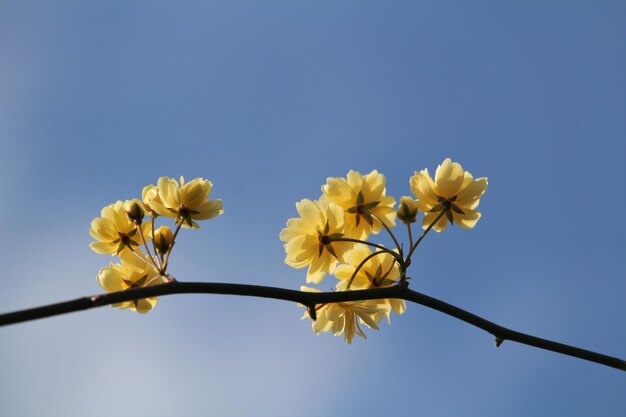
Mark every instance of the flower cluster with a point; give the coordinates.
(122, 231)
(331, 237)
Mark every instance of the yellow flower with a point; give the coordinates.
(186, 203)
(363, 198)
(379, 271)
(115, 232)
(346, 317)
(309, 239)
(131, 273)
(454, 190)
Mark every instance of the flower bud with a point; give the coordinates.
(134, 210)
(407, 210)
(163, 238)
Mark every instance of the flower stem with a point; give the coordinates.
(430, 226)
(151, 264)
(143, 240)
(393, 237)
(154, 244)
(374, 245)
(169, 251)
(152, 280)
(367, 258)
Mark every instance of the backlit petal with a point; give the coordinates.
(449, 178)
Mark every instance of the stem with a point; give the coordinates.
(408, 226)
(157, 255)
(169, 251)
(393, 237)
(310, 299)
(154, 279)
(143, 240)
(367, 258)
(374, 245)
(430, 226)
(150, 264)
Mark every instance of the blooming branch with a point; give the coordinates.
(330, 238)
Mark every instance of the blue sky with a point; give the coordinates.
(267, 99)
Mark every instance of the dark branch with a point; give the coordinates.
(309, 299)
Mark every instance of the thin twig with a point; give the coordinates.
(393, 237)
(358, 268)
(396, 255)
(169, 251)
(430, 226)
(309, 299)
(143, 240)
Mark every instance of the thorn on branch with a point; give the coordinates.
(499, 341)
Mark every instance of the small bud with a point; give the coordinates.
(407, 210)
(134, 210)
(163, 238)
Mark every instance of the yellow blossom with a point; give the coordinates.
(131, 273)
(378, 271)
(346, 317)
(309, 240)
(364, 200)
(186, 203)
(454, 190)
(115, 232)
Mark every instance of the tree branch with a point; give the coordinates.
(309, 299)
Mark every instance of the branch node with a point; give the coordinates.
(312, 312)
(499, 341)
(168, 279)
(95, 298)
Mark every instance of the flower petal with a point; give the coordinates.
(449, 178)
(423, 188)
(373, 186)
(169, 193)
(103, 229)
(430, 217)
(104, 248)
(470, 195)
(208, 210)
(111, 280)
(467, 220)
(195, 192)
(310, 212)
(339, 191)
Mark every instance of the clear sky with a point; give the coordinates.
(267, 99)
